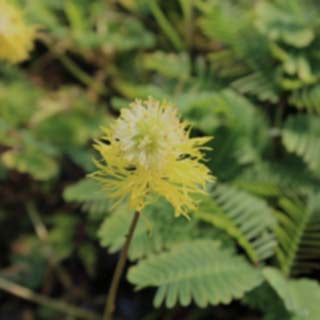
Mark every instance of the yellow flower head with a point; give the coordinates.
(147, 151)
(16, 38)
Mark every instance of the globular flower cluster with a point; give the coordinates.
(16, 37)
(148, 150)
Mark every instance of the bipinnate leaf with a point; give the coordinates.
(199, 271)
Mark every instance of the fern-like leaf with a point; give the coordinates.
(244, 217)
(226, 64)
(169, 65)
(271, 179)
(199, 271)
(298, 234)
(157, 230)
(248, 48)
(257, 84)
(89, 194)
(307, 98)
(114, 229)
(301, 135)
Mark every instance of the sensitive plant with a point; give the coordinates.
(251, 82)
(148, 151)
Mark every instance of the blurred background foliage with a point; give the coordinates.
(246, 72)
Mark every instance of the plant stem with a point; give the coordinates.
(71, 66)
(279, 115)
(76, 71)
(29, 295)
(187, 7)
(165, 25)
(42, 233)
(110, 303)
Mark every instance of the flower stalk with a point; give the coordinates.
(148, 151)
(110, 303)
(27, 294)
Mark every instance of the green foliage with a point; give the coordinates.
(270, 179)
(301, 297)
(152, 234)
(265, 299)
(246, 72)
(301, 135)
(298, 234)
(168, 65)
(291, 24)
(31, 157)
(29, 259)
(40, 129)
(291, 32)
(89, 194)
(307, 97)
(258, 84)
(198, 271)
(244, 217)
(273, 60)
(148, 237)
(81, 25)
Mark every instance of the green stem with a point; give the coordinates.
(188, 13)
(29, 295)
(279, 115)
(71, 66)
(110, 303)
(36, 220)
(75, 70)
(42, 233)
(165, 25)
